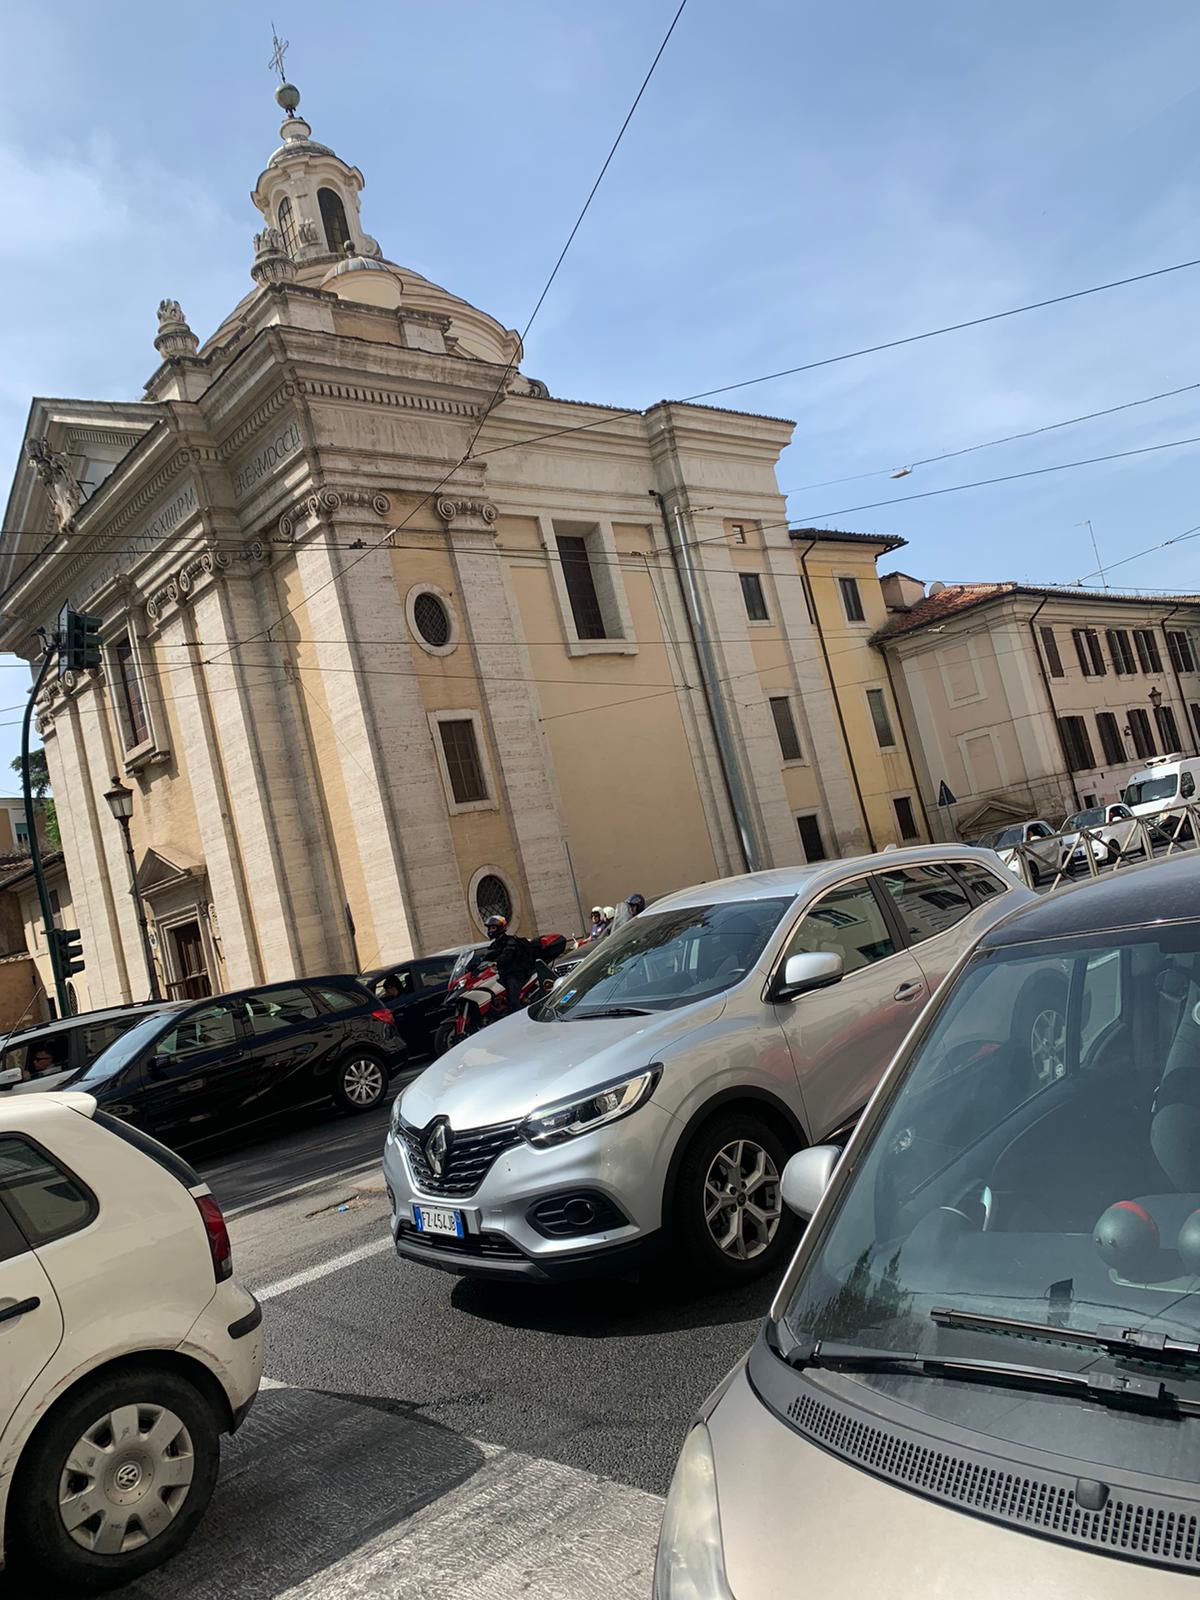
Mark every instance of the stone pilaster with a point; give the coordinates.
(510, 697)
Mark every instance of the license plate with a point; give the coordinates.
(434, 1219)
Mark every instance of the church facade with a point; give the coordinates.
(393, 638)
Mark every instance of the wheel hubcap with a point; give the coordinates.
(126, 1479)
(742, 1202)
(1048, 1045)
(363, 1082)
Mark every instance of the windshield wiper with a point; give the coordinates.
(1109, 1336)
(1122, 1388)
(612, 1011)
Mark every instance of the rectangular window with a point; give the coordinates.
(1110, 737)
(1168, 729)
(905, 820)
(581, 586)
(1078, 744)
(810, 839)
(1050, 648)
(1147, 650)
(737, 532)
(1180, 648)
(851, 600)
(752, 594)
(134, 724)
(785, 728)
(1139, 728)
(1196, 719)
(1087, 648)
(272, 1009)
(877, 701)
(1120, 650)
(465, 770)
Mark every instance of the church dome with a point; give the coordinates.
(360, 278)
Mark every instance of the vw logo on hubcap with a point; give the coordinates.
(437, 1146)
(128, 1476)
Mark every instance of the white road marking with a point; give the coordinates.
(323, 1268)
(299, 1188)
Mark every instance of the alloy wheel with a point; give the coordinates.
(126, 1479)
(1048, 1045)
(363, 1081)
(742, 1200)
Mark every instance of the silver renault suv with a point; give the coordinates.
(658, 1092)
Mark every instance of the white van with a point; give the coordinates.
(1164, 787)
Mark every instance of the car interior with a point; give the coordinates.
(1002, 1170)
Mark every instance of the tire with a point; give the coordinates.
(1040, 1029)
(1114, 852)
(443, 1038)
(360, 1082)
(759, 1234)
(171, 1433)
(1035, 876)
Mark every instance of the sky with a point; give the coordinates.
(799, 181)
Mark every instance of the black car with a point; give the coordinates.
(196, 1066)
(50, 1052)
(421, 1004)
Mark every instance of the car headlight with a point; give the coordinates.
(394, 1120)
(690, 1564)
(566, 1119)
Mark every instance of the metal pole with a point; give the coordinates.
(35, 849)
(140, 909)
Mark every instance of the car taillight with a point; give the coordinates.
(219, 1246)
(381, 1015)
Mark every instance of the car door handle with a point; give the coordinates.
(909, 991)
(19, 1308)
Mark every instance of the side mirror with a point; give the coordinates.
(10, 1076)
(157, 1066)
(807, 1176)
(811, 969)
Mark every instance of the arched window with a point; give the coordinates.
(333, 220)
(287, 227)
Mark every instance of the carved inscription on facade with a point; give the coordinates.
(169, 518)
(281, 444)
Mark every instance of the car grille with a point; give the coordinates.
(469, 1157)
(492, 1245)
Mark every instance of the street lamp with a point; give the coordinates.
(1156, 698)
(120, 803)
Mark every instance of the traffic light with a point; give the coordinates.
(68, 950)
(79, 636)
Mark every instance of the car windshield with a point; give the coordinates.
(665, 959)
(1084, 819)
(121, 1051)
(1146, 790)
(1000, 837)
(1039, 1161)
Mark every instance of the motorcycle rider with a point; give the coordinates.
(514, 958)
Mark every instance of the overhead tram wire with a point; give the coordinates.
(338, 576)
(990, 444)
(853, 355)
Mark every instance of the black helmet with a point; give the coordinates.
(636, 903)
(495, 925)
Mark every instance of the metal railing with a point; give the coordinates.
(1059, 858)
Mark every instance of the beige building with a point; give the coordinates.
(393, 638)
(1035, 702)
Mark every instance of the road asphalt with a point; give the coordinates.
(424, 1435)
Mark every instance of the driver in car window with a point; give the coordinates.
(42, 1063)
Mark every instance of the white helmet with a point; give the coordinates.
(609, 913)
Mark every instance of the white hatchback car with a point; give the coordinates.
(126, 1348)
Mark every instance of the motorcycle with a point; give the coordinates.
(477, 994)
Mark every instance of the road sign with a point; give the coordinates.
(945, 798)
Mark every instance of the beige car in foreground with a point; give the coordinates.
(980, 1376)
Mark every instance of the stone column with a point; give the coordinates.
(513, 710)
(91, 840)
(285, 865)
(388, 766)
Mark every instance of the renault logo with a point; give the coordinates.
(437, 1145)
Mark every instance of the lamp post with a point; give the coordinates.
(1156, 698)
(120, 803)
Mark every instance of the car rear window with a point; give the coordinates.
(46, 1201)
(341, 999)
(279, 1008)
(175, 1165)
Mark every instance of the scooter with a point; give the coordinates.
(477, 994)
